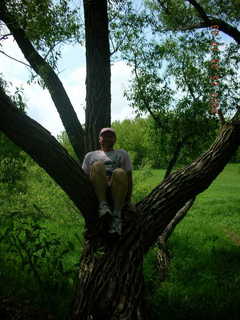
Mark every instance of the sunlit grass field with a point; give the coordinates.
(203, 281)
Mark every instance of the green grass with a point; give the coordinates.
(204, 277)
(203, 281)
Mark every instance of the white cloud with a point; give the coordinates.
(121, 74)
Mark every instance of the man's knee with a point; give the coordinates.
(97, 170)
(98, 166)
(119, 174)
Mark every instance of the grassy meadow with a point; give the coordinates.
(203, 281)
(42, 241)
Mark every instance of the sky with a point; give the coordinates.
(72, 74)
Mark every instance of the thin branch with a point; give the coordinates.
(5, 36)
(174, 222)
(50, 50)
(112, 43)
(25, 64)
(193, 26)
(202, 14)
(158, 121)
(221, 117)
(120, 42)
(189, 88)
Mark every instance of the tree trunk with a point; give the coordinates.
(98, 99)
(111, 282)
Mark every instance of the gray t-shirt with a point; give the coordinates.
(112, 160)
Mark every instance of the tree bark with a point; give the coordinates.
(50, 155)
(51, 80)
(161, 205)
(111, 282)
(98, 99)
(163, 255)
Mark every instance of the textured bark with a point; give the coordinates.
(51, 80)
(163, 255)
(98, 99)
(111, 279)
(50, 155)
(161, 205)
(174, 222)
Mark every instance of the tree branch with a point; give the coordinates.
(25, 64)
(209, 21)
(161, 205)
(50, 155)
(202, 14)
(174, 222)
(51, 80)
(221, 117)
(5, 36)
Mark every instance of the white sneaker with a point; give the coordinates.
(105, 213)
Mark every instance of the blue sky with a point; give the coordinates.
(72, 74)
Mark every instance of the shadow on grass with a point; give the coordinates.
(203, 281)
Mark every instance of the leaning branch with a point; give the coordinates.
(161, 205)
(51, 80)
(200, 10)
(209, 21)
(50, 155)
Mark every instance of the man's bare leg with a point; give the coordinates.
(119, 188)
(99, 180)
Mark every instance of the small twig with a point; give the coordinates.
(5, 36)
(221, 117)
(25, 64)
(51, 49)
(236, 116)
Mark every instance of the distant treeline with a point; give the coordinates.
(149, 145)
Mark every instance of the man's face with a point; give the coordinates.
(107, 139)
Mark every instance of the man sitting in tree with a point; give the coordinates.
(110, 172)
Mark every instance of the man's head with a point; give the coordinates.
(107, 138)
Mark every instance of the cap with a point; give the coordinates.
(107, 130)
